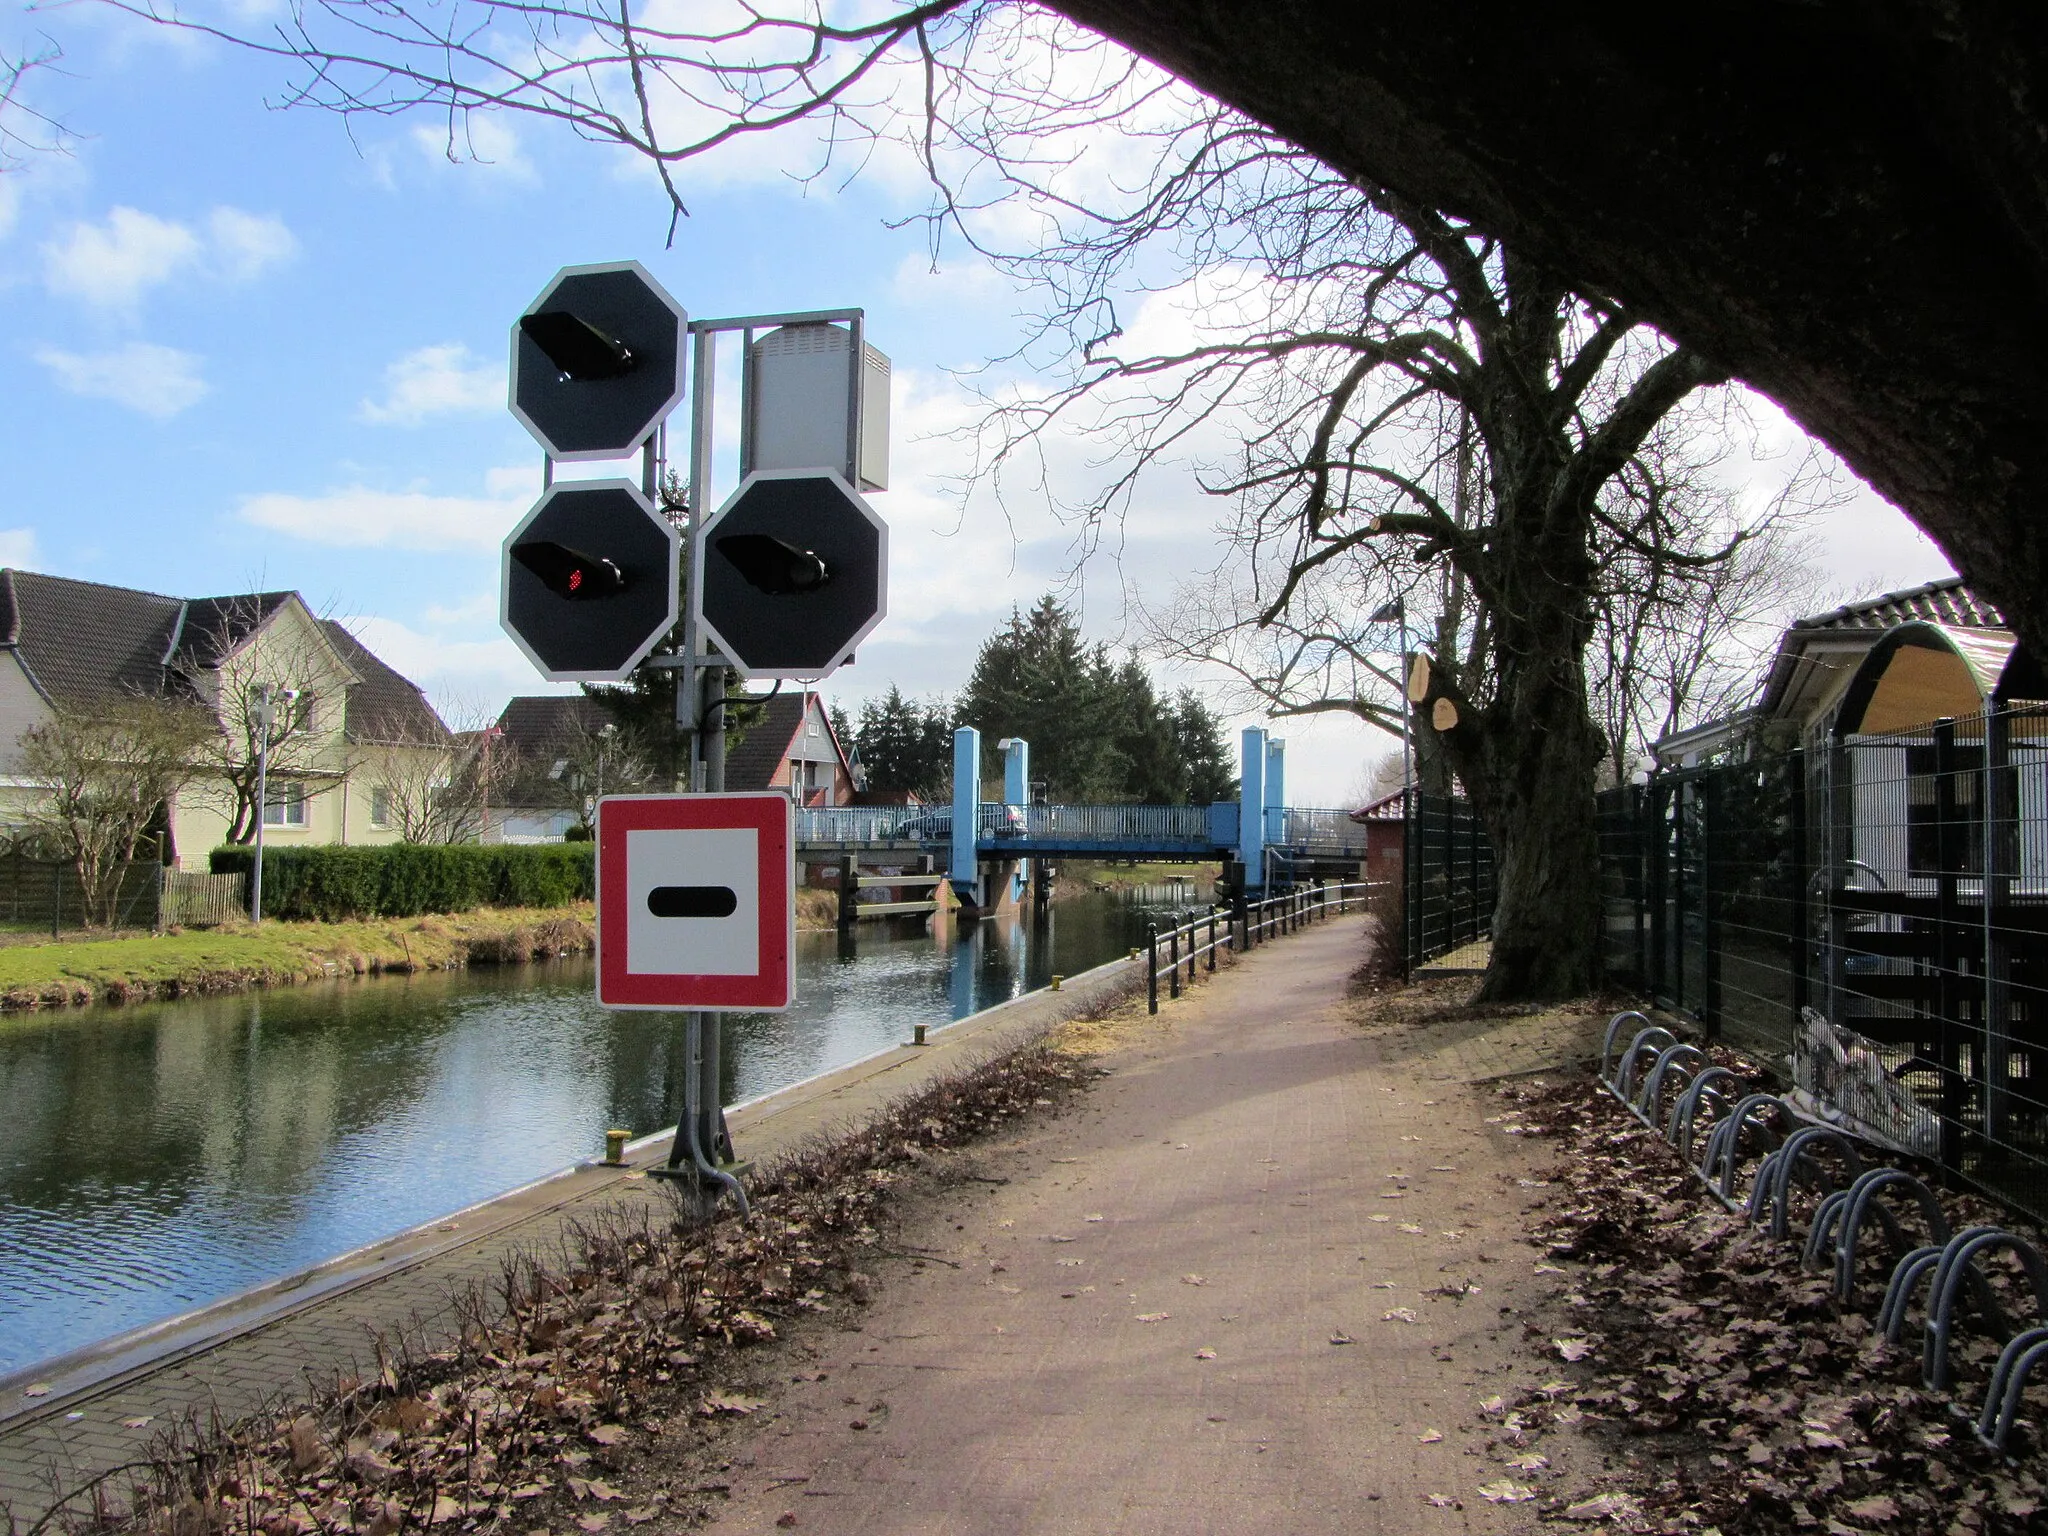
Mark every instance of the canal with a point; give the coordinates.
(160, 1156)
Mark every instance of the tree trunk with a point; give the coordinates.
(1535, 799)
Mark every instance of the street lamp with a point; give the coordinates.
(265, 712)
(1396, 612)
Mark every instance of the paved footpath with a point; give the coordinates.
(1202, 1303)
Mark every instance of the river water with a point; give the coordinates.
(159, 1156)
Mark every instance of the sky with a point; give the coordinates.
(243, 347)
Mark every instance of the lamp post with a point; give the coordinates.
(265, 712)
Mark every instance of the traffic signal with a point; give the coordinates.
(774, 565)
(796, 573)
(569, 573)
(591, 580)
(597, 361)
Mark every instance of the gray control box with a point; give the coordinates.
(802, 408)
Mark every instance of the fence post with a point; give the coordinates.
(1710, 832)
(1151, 967)
(1998, 805)
(1951, 852)
(1212, 939)
(1173, 979)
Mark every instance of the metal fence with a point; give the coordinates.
(45, 893)
(1448, 867)
(1321, 832)
(1877, 911)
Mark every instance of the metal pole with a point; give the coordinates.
(262, 797)
(1151, 967)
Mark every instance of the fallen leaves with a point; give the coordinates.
(736, 1403)
(1398, 1315)
(1205, 1354)
(1617, 1507)
(1153, 1317)
(1745, 1395)
(1505, 1491)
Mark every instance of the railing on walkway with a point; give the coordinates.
(1332, 834)
(1195, 941)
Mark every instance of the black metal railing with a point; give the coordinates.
(1447, 863)
(1198, 938)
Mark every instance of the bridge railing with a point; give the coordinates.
(853, 824)
(1140, 825)
(1324, 831)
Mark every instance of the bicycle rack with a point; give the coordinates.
(1860, 1200)
(1678, 1130)
(2022, 1353)
(1772, 1190)
(1959, 1259)
(1688, 1059)
(1724, 1146)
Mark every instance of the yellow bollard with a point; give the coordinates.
(1056, 980)
(615, 1148)
(917, 1034)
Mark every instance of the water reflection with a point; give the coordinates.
(159, 1156)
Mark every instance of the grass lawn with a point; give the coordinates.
(132, 967)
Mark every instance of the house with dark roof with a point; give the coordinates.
(353, 743)
(558, 752)
(1886, 663)
(791, 746)
(546, 759)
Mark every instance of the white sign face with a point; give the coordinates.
(696, 901)
(695, 943)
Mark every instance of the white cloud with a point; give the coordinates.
(248, 244)
(436, 381)
(484, 139)
(111, 265)
(157, 381)
(358, 517)
(17, 546)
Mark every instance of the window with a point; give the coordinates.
(380, 807)
(1935, 847)
(284, 805)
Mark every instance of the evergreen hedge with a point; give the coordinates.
(336, 884)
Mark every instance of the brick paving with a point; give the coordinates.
(1183, 1311)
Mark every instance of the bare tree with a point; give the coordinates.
(25, 130)
(227, 661)
(104, 777)
(434, 784)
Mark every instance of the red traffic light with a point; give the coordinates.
(569, 573)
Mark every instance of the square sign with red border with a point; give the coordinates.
(695, 901)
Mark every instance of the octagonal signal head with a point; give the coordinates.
(597, 360)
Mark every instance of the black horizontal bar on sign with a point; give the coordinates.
(693, 901)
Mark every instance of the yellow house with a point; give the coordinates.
(356, 754)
